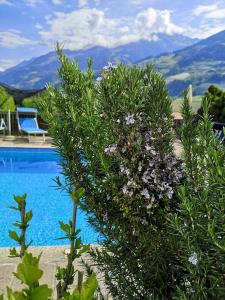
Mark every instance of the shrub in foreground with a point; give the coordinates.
(115, 138)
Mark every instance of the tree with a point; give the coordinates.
(33, 101)
(216, 97)
(6, 101)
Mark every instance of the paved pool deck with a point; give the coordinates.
(22, 142)
(37, 142)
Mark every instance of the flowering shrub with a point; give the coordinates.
(116, 140)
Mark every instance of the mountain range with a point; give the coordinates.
(182, 60)
(36, 72)
(201, 65)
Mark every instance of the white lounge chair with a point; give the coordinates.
(2, 125)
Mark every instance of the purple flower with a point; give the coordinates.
(111, 148)
(124, 170)
(129, 119)
(146, 177)
(98, 79)
(193, 259)
(148, 147)
(145, 193)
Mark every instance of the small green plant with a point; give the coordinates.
(86, 291)
(29, 273)
(22, 225)
(66, 275)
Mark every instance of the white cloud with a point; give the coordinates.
(7, 63)
(91, 27)
(5, 2)
(13, 39)
(216, 14)
(202, 9)
(57, 2)
(136, 2)
(155, 21)
(38, 26)
(210, 20)
(82, 3)
(33, 3)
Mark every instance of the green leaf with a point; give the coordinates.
(19, 199)
(15, 295)
(64, 227)
(84, 249)
(77, 195)
(1, 297)
(63, 238)
(88, 289)
(29, 216)
(14, 236)
(13, 252)
(60, 273)
(78, 243)
(42, 292)
(18, 224)
(28, 270)
(13, 207)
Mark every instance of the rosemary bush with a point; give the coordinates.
(199, 221)
(115, 138)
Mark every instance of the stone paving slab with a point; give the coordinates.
(18, 141)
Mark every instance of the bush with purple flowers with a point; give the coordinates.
(116, 140)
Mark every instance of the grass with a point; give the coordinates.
(196, 103)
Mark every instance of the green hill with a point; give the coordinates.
(201, 65)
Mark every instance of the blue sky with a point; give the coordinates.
(30, 28)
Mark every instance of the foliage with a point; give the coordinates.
(23, 224)
(198, 224)
(28, 270)
(87, 290)
(216, 97)
(115, 139)
(65, 276)
(6, 101)
(29, 273)
(34, 100)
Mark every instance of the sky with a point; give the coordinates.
(30, 28)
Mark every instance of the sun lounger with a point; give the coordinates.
(29, 125)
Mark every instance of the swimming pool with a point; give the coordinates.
(32, 171)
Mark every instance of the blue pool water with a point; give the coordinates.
(32, 171)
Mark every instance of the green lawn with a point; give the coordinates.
(196, 103)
